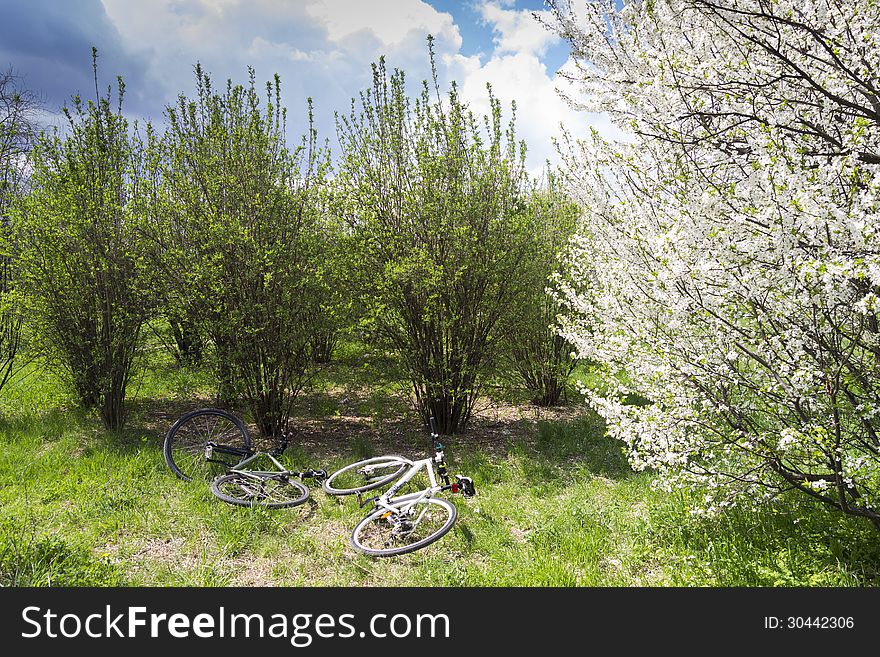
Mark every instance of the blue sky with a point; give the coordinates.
(321, 48)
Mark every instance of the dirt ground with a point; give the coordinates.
(493, 426)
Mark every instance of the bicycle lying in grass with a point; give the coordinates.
(404, 523)
(211, 442)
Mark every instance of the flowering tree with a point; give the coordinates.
(733, 245)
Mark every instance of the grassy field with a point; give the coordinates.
(556, 503)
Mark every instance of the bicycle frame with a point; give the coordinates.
(261, 474)
(388, 501)
(249, 456)
(393, 518)
(243, 454)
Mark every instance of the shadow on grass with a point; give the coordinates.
(792, 541)
(583, 442)
(564, 449)
(553, 455)
(49, 425)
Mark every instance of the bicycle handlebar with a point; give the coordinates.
(320, 475)
(278, 451)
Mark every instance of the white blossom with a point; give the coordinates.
(731, 247)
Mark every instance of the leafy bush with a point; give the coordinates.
(240, 239)
(541, 357)
(17, 132)
(84, 274)
(435, 204)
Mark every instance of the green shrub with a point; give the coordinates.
(241, 241)
(84, 274)
(434, 198)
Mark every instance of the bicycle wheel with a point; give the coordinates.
(186, 445)
(385, 533)
(274, 492)
(366, 475)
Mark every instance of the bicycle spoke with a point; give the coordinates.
(187, 443)
(246, 489)
(277, 491)
(366, 475)
(402, 530)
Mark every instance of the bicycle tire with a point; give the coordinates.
(393, 473)
(241, 490)
(376, 521)
(186, 441)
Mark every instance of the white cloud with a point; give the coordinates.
(516, 72)
(392, 22)
(262, 49)
(539, 108)
(517, 31)
(323, 48)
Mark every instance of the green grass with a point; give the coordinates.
(556, 505)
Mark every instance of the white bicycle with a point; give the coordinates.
(405, 523)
